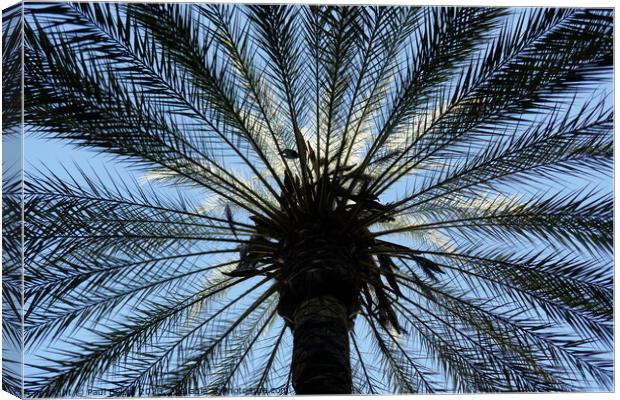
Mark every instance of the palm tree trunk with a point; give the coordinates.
(321, 347)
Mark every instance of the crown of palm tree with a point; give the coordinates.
(424, 155)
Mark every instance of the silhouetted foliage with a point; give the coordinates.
(414, 163)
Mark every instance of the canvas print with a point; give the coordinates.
(269, 200)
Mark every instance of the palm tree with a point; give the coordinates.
(335, 199)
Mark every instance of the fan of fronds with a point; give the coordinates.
(438, 144)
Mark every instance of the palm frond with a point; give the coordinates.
(495, 329)
(407, 374)
(576, 48)
(568, 146)
(577, 219)
(126, 343)
(151, 135)
(448, 36)
(12, 42)
(275, 31)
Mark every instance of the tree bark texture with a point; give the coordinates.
(320, 295)
(321, 362)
